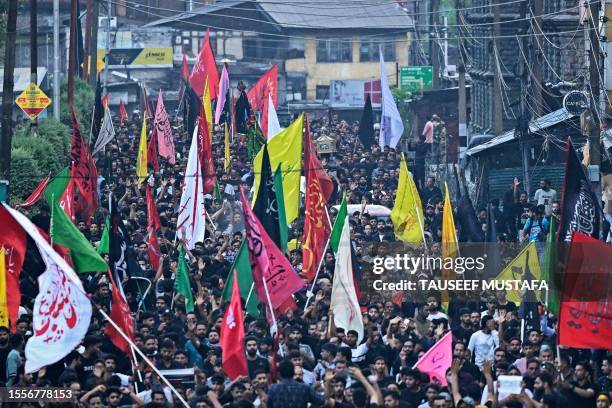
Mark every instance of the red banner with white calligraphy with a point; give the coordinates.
(585, 315)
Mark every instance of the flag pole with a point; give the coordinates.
(274, 325)
(309, 293)
(246, 302)
(143, 356)
(136, 368)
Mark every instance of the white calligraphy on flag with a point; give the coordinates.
(62, 311)
(191, 218)
(107, 132)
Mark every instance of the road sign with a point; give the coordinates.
(416, 79)
(33, 101)
(576, 102)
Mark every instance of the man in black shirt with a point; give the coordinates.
(255, 362)
(4, 351)
(579, 391)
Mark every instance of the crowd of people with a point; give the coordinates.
(310, 362)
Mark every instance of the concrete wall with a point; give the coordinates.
(320, 73)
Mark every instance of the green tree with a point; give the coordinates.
(25, 173)
(83, 103)
(402, 97)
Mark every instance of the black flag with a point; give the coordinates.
(122, 261)
(366, 125)
(98, 113)
(471, 231)
(528, 310)
(580, 210)
(191, 108)
(265, 207)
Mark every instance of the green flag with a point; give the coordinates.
(181, 281)
(65, 233)
(57, 185)
(336, 231)
(218, 196)
(104, 245)
(245, 281)
(550, 267)
(280, 204)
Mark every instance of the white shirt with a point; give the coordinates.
(483, 345)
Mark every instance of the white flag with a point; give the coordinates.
(344, 302)
(62, 310)
(273, 123)
(191, 218)
(107, 132)
(391, 125)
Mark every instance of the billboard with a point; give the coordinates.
(137, 57)
(352, 93)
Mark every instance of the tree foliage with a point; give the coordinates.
(25, 173)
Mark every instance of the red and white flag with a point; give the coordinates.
(274, 277)
(205, 152)
(190, 226)
(205, 67)
(62, 310)
(232, 336)
(161, 125)
(437, 359)
(36, 194)
(266, 87)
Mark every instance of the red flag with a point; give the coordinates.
(153, 224)
(585, 314)
(205, 153)
(122, 316)
(152, 151)
(13, 239)
(204, 67)
(316, 225)
(266, 85)
(105, 100)
(274, 277)
(185, 68)
(123, 115)
(83, 172)
(66, 201)
(36, 194)
(232, 336)
(310, 153)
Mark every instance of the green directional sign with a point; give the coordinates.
(416, 79)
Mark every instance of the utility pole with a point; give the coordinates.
(6, 136)
(93, 46)
(594, 80)
(56, 61)
(108, 40)
(434, 45)
(72, 50)
(498, 125)
(463, 134)
(536, 61)
(86, 46)
(33, 53)
(525, 116)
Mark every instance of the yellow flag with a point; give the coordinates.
(208, 108)
(227, 150)
(285, 149)
(516, 270)
(407, 213)
(450, 247)
(141, 162)
(4, 316)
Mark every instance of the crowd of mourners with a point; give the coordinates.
(311, 363)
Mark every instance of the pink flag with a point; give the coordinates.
(437, 359)
(161, 124)
(274, 277)
(223, 87)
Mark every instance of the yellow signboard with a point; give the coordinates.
(137, 57)
(33, 101)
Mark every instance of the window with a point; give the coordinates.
(368, 49)
(335, 50)
(322, 92)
